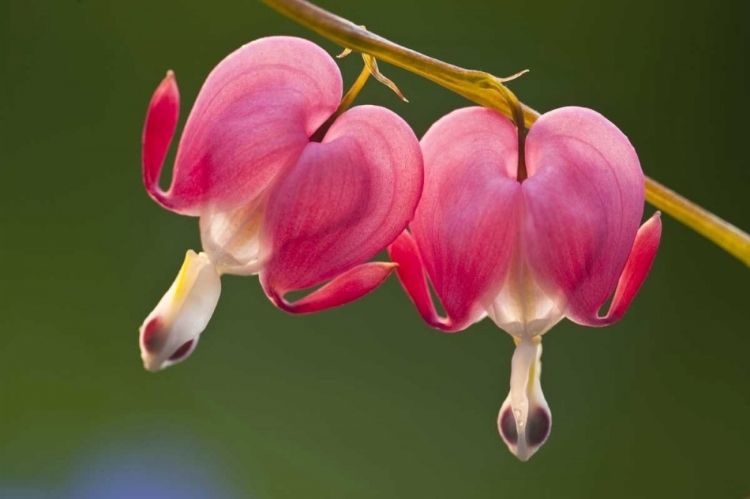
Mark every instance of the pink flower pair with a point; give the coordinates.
(299, 213)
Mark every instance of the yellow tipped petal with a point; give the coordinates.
(170, 332)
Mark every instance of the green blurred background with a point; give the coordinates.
(365, 401)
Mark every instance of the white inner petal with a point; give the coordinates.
(522, 308)
(525, 402)
(182, 314)
(232, 239)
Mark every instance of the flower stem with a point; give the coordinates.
(353, 92)
(346, 101)
(370, 69)
(488, 91)
(721, 232)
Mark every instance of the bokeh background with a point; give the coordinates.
(363, 401)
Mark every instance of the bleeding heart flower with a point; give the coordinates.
(527, 253)
(298, 211)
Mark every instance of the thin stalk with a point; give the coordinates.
(346, 101)
(353, 92)
(488, 91)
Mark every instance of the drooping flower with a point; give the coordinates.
(527, 252)
(281, 190)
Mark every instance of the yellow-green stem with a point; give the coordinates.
(488, 90)
(346, 101)
(724, 234)
(353, 92)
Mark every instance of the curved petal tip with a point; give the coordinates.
(345, 288)
(637, 267)
(160, 126)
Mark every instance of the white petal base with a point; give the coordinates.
(522, 308)
(232, 239)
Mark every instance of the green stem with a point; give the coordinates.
(346, 101)
(721, 232)
(489, 91)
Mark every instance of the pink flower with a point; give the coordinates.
(556, 244)
(298, 211)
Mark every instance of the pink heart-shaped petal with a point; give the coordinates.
(584, 201)
(466, 223)
(344, 200)
(252, 118)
